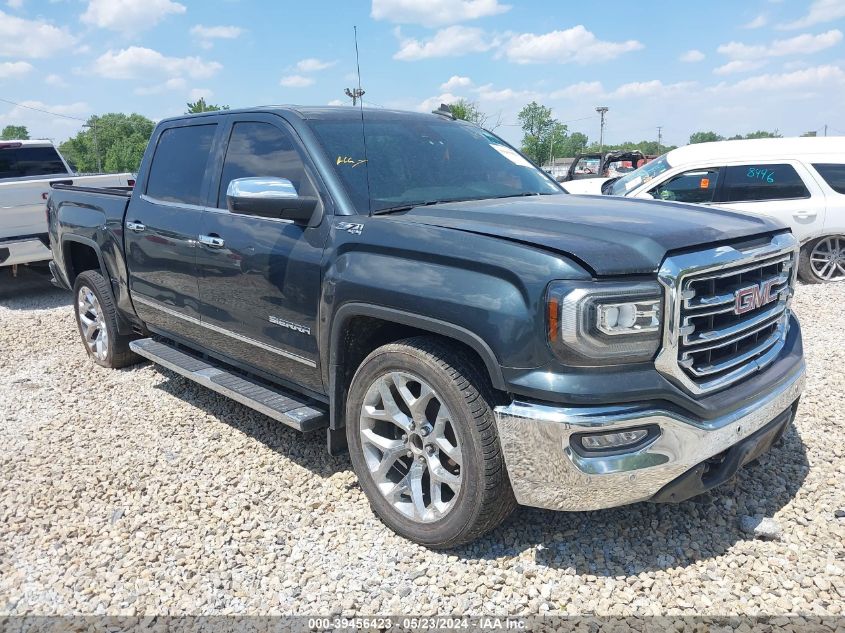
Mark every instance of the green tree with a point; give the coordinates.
(704, 137)
(117, 140)
(541, 132)
(201, 106)
(468, 111)
(764, 134)
(14, 133)
(572, 144)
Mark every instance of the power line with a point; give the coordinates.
(21, 105)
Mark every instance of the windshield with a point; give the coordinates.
(412, 161)
(637, 177)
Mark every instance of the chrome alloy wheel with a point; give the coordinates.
(92, 324)
(410, 446)
(828, 259)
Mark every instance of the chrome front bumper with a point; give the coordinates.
(545, 472)
(23, 252)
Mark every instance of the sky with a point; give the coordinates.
(724, 65)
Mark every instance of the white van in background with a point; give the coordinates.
(800, 181)
(27, 171)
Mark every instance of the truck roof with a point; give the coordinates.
(316, 112)
(29, 143)
(758, 149)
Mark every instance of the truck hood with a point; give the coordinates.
(589, 186)
(612, 236)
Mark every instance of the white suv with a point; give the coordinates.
(800, 181)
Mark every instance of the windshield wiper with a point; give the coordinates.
(407, 207)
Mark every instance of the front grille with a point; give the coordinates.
(716, 345)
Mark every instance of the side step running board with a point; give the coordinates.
(284, 406)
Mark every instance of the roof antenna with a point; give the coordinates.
(357, 94)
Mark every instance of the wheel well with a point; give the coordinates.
(79, 258)
(362, 335)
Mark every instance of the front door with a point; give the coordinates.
(161, 231)
(259, 278)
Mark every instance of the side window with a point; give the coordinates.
(750, 183)
(697, 185)
(8, 164)
(833, 174)
(179, 164)
(39, 161)
(262, 149)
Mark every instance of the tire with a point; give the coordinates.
(447, 442)
(827, 246)
(96, 318)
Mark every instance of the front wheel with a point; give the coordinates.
(423, 443)
(823, 260)
(96, 317)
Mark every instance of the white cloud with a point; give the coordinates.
(171, 85)
(758, 22)
(654, 89)
(200, 93)
(692, 56)
(432, 103)
(488, 93)
(739, 66)
(579, 90)
(43, 125)
(336, 102)
(435, 12)
(312, 64)
(456, 81)
(804, 44)
(56, 81)
(129, 15)
(296, 81)
(452, 41)
(14, 69)
(820, 11)
(572, 45)
(207, 34)
(32, 38)
(138, 62)
(823, 77)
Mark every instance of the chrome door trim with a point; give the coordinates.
(159, 306)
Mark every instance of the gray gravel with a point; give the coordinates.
(135, 491)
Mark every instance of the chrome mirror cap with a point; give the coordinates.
(262, 188)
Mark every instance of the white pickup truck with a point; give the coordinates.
(28, 169)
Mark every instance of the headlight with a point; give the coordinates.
(604, 323)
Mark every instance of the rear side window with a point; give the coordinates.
(751, 183)
(260, 149)
(30, 161)
(833, 174)
(179, 164)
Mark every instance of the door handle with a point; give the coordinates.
(804, 215)
(135, 226)
(212, 241)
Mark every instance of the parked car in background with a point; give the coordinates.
(607, 165)
(799, 181)
(28, 169)
(414, 287)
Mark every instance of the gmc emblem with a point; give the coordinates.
(753, 297)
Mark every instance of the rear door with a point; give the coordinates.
(162, 225)
(782, 189)
(260, 280)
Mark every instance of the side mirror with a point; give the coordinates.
(269, 198)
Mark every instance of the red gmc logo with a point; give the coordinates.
(753, 297)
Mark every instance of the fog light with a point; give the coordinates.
(605, 441)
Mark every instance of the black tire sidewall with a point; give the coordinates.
(96, 283)
(467, 507)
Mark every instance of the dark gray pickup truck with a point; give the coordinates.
(414, 286)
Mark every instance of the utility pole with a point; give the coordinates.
(602, 110)
(659, 138)
(354, 94)
(825, 129)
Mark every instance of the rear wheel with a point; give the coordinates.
(823, 260)
(423, 443)
(96, 318)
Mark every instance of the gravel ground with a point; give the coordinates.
(136, 492)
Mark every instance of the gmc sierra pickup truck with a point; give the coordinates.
(28, 169)
(410, 283)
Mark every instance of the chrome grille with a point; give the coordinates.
(708, 345)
